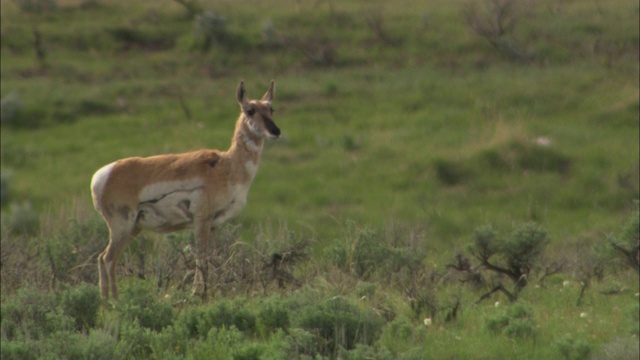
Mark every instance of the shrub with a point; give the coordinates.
(273, 315)
(365, 252)
(10, 350)
(518, 253)
(340, 324)
(23, 219)
(11, 109)
(451, 172)
(139, 303)
(515, 322)
(495, 20)
(219, 344)
(200, 320)
(31, 314)
(572, 349)
(627, 245)
(135, 341)
(82, 303)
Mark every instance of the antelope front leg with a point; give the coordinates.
(203, 257)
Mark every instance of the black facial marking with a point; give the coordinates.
(271, 126)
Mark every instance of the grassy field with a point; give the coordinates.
(406, 127)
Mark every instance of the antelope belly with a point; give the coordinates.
(171, 212)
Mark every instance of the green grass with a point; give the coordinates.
(422, 128)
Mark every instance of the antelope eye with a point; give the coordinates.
(251, 111)
(272, 111)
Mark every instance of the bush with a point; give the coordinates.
(572, 349)
(451, 172)
(78, 242)
(82, 303)
(200, 320)
(517, 254)
(11, 109)
(219, 344)
(31, 314)
(14, 113)
(139, 303)
(340, 324)
(627, 245)
(273, 315)
(515, 322)
(365, 253)
(23, 219)
(10, 350)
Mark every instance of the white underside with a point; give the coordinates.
(176, 205)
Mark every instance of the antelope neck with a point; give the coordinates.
(246, 143)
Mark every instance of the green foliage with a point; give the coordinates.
(219, 344)
(272, 316)
(450, 172)
(339, 324)
(516, 322)
(574, 349)
(627, 245)
(82, 303)
(22, 219)
(224, 314)
(517, 253)
(11, 108)
(365, 253)
(524, 248)
(74, 244)
(32, 314)
(139, 302)
(390, 113)
(12, 350)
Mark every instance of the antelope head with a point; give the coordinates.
(257, 114)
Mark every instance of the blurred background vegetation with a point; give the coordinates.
(415, 134)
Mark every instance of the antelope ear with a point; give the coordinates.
(268, 96)
(241, 95)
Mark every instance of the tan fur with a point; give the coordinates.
(166, 193)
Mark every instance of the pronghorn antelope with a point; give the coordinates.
(165, 193)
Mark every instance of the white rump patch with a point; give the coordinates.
(98, 182)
